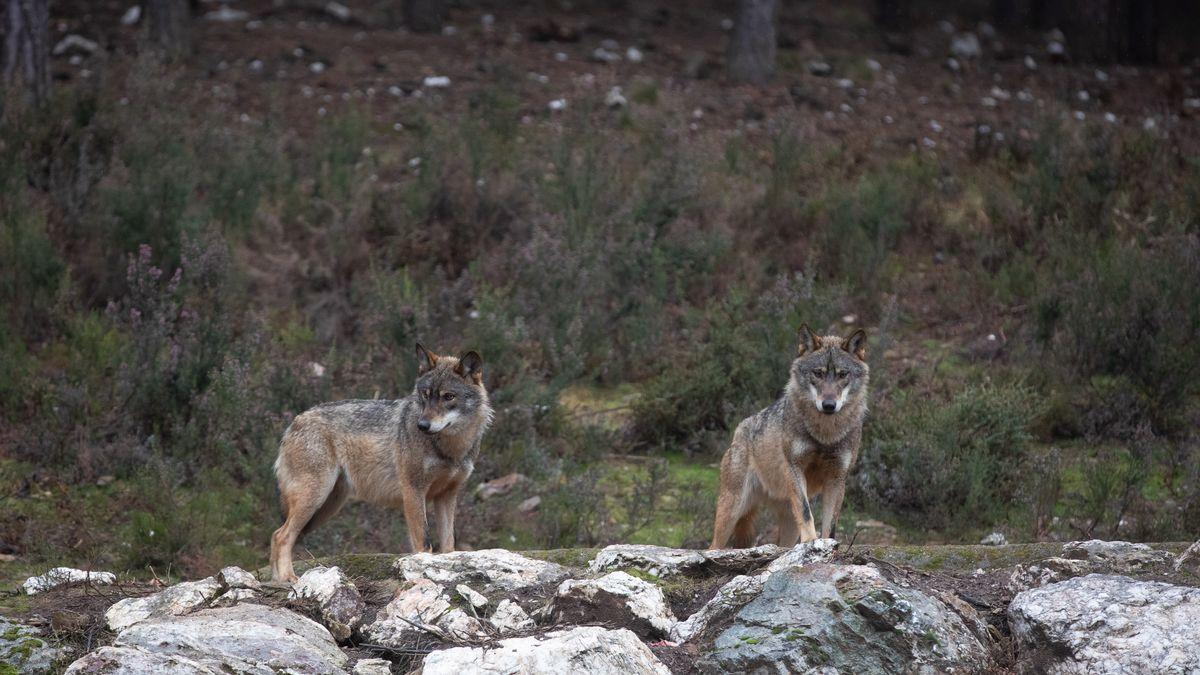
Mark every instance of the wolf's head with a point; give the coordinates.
(831, 370)
(449, 390)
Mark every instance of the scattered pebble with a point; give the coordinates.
(819, 68)
(615, 98)
(935, 126)
(227, 14)
(558, 105)
(1030, 63)
(634, 55)
(131, 15)
(436, 82)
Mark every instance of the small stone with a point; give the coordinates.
(530, 505)
(558, 105)
(510, 618)
(66, 575)
(436, 82)
(227, 14)
(995, 538)
(131, 15)
(634, 55)
(372, 667)
(819, 68)
(477, 600)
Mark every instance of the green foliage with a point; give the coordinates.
(949, 464)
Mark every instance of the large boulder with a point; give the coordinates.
(1116, 556)
(334, 597)
(251, 639)
(172, 601)
(1107, 624)
(137, 661)
(497, 570)
(25, 650)
(615, 598)
(848, 618)
(584, 649)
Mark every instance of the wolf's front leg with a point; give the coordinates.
(414, 517)
(831, 505)
(801, 508)
(444, 507)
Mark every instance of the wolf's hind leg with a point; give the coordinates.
(303, 497)
(727, 518)
(788, 533)
(743, 530)
(333, 503)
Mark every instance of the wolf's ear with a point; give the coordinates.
(856, 344)
(426, 359)
(809, 341)
(470, 364)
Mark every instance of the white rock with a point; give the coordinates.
(668, 561)
(233, 596)
(65, 575)
(338, 11)
(615, 98)
(558, 105)
(417, 611)
(819, 68)
(1191, 556)
(173, 601)
(510, 618)
(436, 82)
(995, 538)
(372, 667)
(1030, 63)
(1048, 571)
(76, 43)
(639, 604)
(227, 14)
(136, 661)
(634, 55)
(966, 46)
(131, 15)
(243, 639)
(496, 569)
(802, 554)
(236, 577)
(335, 596)
(605, 56)
(584, 649)
(1108, 624)
(729, 598)
(472, 596)
(1115, 556)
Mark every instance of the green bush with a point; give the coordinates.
(948, 465)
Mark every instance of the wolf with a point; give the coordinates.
(801, 446)
(415, 453)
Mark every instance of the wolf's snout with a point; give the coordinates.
(423, 425)
(828, 407)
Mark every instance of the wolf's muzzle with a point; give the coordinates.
(828, 407)
(423, 425)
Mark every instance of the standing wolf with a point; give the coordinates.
(415, 451)
(800, 446)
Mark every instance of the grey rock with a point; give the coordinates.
(848, 618)
(509, 617)
(372, 667)
(1116, 556)
(24, 649)
(65, 575)
(819, 68)
(1048, 571)
(234, 596)
(242, 639)
(417, 611)
(1190, 557)
(137, 661)
(235, 577)
(584, 649)
(661, 561)
(729, 598)
(334, 596)
(1107, 624)
(173, 601)
(994, 539)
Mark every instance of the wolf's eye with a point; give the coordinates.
(447, 396)
(842, 374)
(819, 372)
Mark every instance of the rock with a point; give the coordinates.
(1189, 557)
(496, 569)
(233, 596)
(24, 650)
(805, 553)
(1108, 624)
(616, 598)
(634, 55)
(499, 486)
(417, 611)
(235, 577)
(338, 11)
(845, 618)
(137, 661)
(372, 667)
(336, 598)
(966, 46)
(131, 15)
(819, 68)
(530, 505)
(1048, 571)
(510, 618)
(602, 55)
(584, 649)
(436, 82)
(173, 601)
(243, 639)
(75, 43)
(994, 539)
(227, 14)
(472, 596)
(557, 105)
(65, 575)
(659, 561)
(729, 598)
(613, 99)
(1115, 556)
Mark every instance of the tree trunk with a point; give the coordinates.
(26, 54)
(752, 44)
(424, 16)
(168, 26)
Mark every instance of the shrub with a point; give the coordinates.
(948, 465)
